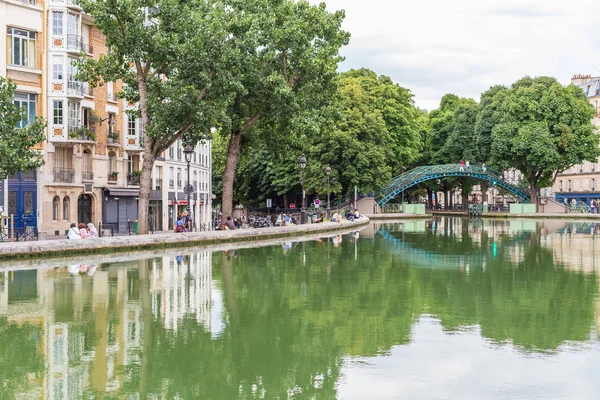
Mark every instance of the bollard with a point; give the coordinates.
(135, 227)
(12, 228)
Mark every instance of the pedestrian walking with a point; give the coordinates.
(461, 165)
(593, 207)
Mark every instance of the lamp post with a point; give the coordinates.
(328, 171)
(303, 210)
(188, 151)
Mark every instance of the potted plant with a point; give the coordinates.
(137, 172)
(94, 118)
(113, 137)
(114, 173)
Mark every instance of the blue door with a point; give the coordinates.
(22, 198)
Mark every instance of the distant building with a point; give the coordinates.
(582, 182)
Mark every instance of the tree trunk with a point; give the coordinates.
(429, 198)
(534, 193)
(233, 157)
(445, 199)
(484, 189)
(144, 196)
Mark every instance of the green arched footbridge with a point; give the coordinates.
(426, 173)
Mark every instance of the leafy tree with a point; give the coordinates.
(176, 59)
(544, 128)
(17, 144)
(287, 68)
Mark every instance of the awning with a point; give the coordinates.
(122, 192)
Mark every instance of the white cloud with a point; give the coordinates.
(464, 46)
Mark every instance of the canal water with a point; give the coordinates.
(447, 308)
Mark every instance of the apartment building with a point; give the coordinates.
(22, 60)
(582, 182)
(94, 148)
(175, 198)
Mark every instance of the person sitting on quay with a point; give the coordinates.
(74, 233)
(83, 232)
(92, 232)
(179, 228)
(237, 223)
(336, 217)
(319, 219)
(229, 224)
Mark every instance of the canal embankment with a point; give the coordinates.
(109, 245)
(506, 215)
(396, 216)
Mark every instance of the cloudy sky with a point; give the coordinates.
(435, 47)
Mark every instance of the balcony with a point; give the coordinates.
(133, 179)
(113, 138)
(64, 175)
(112, 178)
(75, 89)
(79, 133)
(76, 44)
(87, 175)
(88, 91)
(158, 184)
(74, 4)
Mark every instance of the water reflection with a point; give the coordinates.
(286, 320)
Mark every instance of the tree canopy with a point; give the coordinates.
(19, 134)
(543, 128)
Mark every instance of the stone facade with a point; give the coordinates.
(94, 149)
(582, 182)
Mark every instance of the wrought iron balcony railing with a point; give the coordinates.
(75, 42)
(64, 175)
(87, 175)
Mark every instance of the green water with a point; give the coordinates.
(439, 309)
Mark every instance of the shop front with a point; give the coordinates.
(119, 209)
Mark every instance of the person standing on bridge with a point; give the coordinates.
(483, 167)
(462, 166)
(467, 164)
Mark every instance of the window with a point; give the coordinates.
(66, 208)
(73, 116)
(178, 150)
(593, 184)
(21, 47)
(560, 186)
(26, 101)
(569, 187)
(112, 162)
(55, 202)
(57, 23)
(57, 67)
(110, 94)
(171, 153)
(131, 124)
(73, 25)
(111, 122)
(58, 112)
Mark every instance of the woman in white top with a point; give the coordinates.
(74, 232)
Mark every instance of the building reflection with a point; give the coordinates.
(89, 327)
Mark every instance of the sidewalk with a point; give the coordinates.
(61, 247)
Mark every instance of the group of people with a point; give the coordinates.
(465, 165)
(82, 231)
(184, 223)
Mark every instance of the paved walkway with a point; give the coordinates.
(62, 247)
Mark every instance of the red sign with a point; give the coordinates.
(292, 205)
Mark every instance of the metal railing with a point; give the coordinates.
(178, 184)
(158, 184)
(113, 178)
(64, 175)
(87, 90)
(75, 42)
(87, 175)
(75, 88)
(77, 132)
(171, 183)
(133, 180)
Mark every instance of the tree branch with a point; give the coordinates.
(249, 123)
(284, 66)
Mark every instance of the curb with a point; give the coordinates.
(63, 247)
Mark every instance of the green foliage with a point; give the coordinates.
(17, 144)
(542, 129)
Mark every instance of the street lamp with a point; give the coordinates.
(328, 171)
(303, 211)
(188, 151)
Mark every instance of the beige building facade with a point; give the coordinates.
(582, 182)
